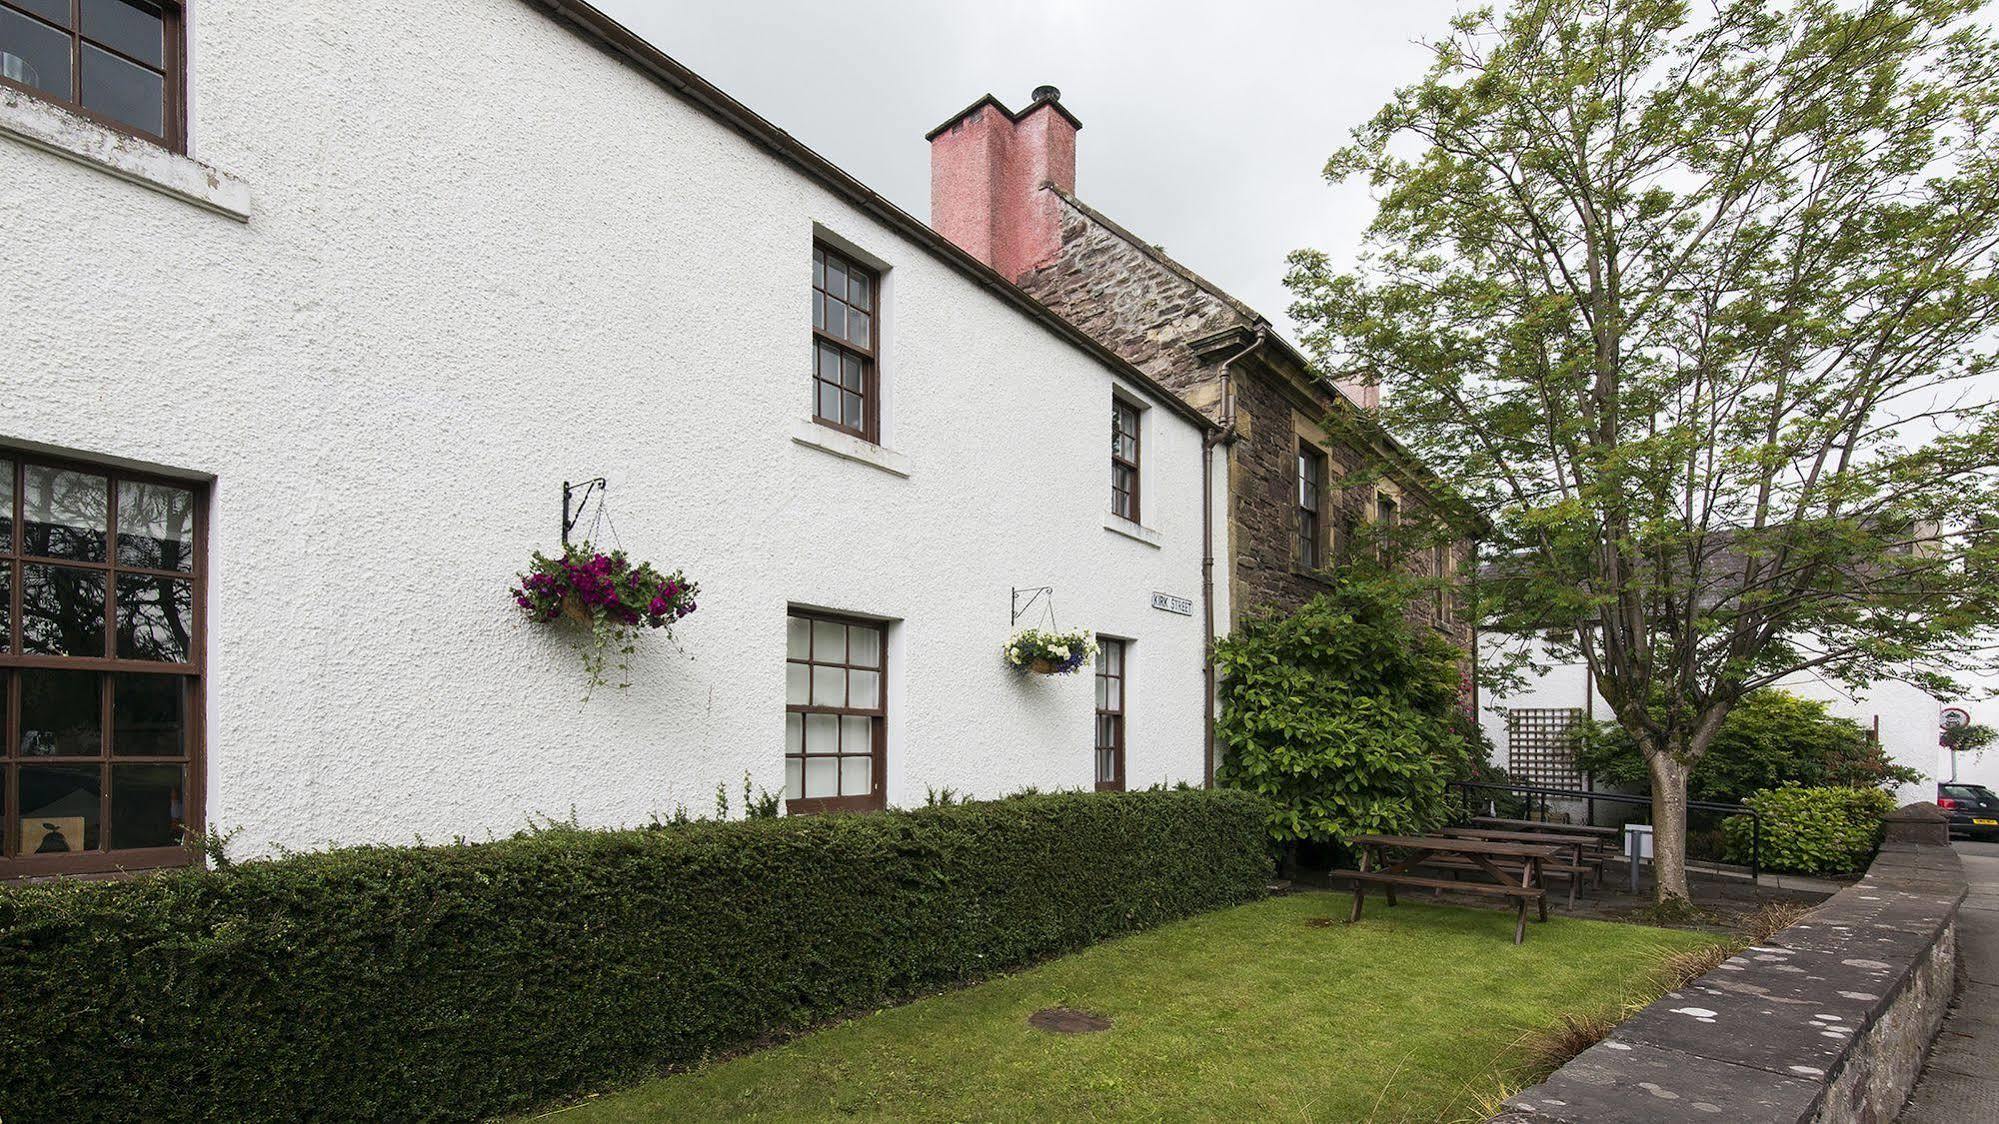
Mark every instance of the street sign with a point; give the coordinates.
(1955, 717)
(1166, 602)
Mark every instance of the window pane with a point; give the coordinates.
(65, 513)
(822, 776)
(829, 401)
(1117, 695)
(130, 26)
(855, 775)
(818, 268)
(148, 715)
(818, 310)
(34, 54)
(794, 733)
(864, 646)
(54, 11)
(850, 373)
(797, 637)
(61, 715)
(148, 805)
(836, 276)
(6, 510)
(62, 611)
(856, 734)
(829, 686)
(155, 618)
(852, 414)
(836, 318)
(1103, 692)
(822, 733)
(857, 328)
(794, 779)
(155, 526)
(857, 291)
(123, 92)
(797, 684)
(829, 363)
(6, 607)
(866, 689)
(829, 642)
(59, 808)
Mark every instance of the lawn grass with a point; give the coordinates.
(1253, 1013)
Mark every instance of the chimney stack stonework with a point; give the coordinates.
(988, 166)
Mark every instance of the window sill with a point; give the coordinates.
(1138, 532)
(1320, 576)
(39, 124)
(848, 447)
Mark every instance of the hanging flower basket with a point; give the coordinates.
(1049, 652)
(615, 599)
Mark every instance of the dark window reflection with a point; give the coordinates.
(155, 526)
(62, 611)
(59, 809)
(148, 805)
(123, 92)
(34, 54)
(65, 513)
(54, 11)
(6, 606)
(6, 507)
(148, 715)
(61, 713)
(155, 618)
(130, 26)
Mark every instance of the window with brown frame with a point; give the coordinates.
(1124, 459)
(117, 62)
(1110, 714)
(1311, 495)
(836, 710)
(846, 391)
(101, 610)
(1387, 517)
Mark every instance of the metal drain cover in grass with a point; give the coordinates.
(1062, 1020)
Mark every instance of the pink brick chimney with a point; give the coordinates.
(987, 168)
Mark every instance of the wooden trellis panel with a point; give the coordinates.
(1537, 745)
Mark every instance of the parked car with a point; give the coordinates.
(1973, 808)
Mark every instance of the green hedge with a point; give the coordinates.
(1812, 830)
(455, 983)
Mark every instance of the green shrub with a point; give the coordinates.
(1342, 714)
(1771, 738)
(462, 982)
(1812, 830)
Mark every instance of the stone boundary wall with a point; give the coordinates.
(1828, 1022)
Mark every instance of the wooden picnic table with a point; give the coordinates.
(1608, 833)
(1579, 863)
(1480, 853)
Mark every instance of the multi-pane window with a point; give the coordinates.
(1110, 714)
(100, 660)
(845, 391)
(1387, 517)
(1124, 459)
(1311, 494)
(117, 61)
(836, 704)
(1445, 603)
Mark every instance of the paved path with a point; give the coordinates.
(1960, 1081)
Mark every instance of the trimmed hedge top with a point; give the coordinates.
(459, 982)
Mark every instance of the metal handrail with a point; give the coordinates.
(1589, 799)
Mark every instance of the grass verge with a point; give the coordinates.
(1265, 1011)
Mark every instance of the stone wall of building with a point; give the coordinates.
(1149, 310)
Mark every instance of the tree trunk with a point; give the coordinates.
(1669, 826)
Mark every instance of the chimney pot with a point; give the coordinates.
(1047, 93)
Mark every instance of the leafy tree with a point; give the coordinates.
(1345, 716)
(1694, 308)
(1771, 738)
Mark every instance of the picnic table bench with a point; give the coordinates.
(1581, 850)
(1522, 885)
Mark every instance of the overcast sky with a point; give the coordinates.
(1204, 126)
